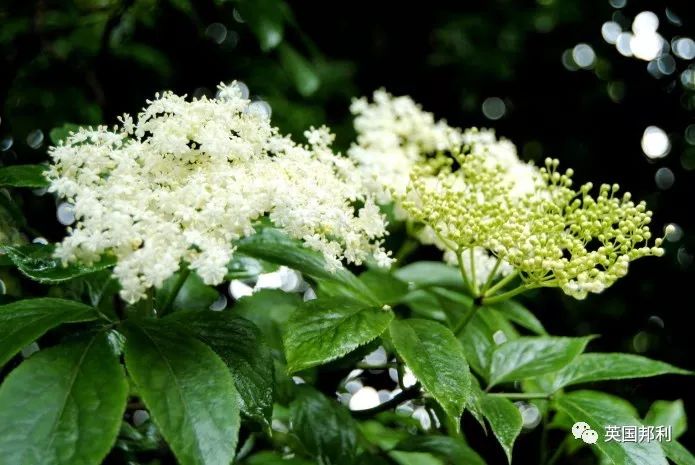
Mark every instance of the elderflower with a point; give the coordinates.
(552, 236)
(394, 135)
(185, 179)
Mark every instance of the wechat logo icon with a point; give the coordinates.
(582, 430)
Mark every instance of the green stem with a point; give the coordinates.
(461, 325)
(506, 295)
(491, 276)
(409, 246)
(183, 276)
(520, 395)
(474, 279)
(502, 282)
(412, 392)
(462, 270)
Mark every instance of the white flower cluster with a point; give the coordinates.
(394, 134)
(474, 195)
(186, 179)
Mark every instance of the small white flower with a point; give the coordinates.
(186, 179)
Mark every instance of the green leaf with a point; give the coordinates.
(520, 315)
(474, 403)
(666, 413)
(63, 405)
(238, 342)
(325, 329)
(455, 304)
(273, 246)
(23, 176)
(478, 338)
(193, 295)
(426, 274)
(188, 390)
(274, 458)
(266, 20)
(425, 304)
(504, 419)
(382, 436)
(436, 358)
(387, 288)
(600, 410)
(454, 450)
(245, 267)
(11, 219)
(144, 437)
(414, 458)
(588, 368)
(532, 356)
(677, 453)
(303, 74)
(59, 134)
(324, 428)
(24, 321)
(269, 309)
(183, 6)
(37, 262)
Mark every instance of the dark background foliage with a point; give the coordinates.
(87, 61)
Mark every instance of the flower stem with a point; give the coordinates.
(491, 276)
(409, 246)
(474, 280)
(461, 325)
(462, 270)
(503, 282)
(506, 295)
(168, 303)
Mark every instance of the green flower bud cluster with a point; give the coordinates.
(553, 236)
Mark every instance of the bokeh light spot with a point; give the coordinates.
(655, 142)
(623, 44)
(664, 178)
(584, 55)
(216, 32)
(35, 138)
(684, 47)
(610, 31)
(645, 22)
(494, 108)
(6, 143)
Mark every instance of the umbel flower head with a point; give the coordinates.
(395, 135)
(186, 179)
(473, 194)
(552, 236)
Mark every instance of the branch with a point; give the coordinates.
(412, 392)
